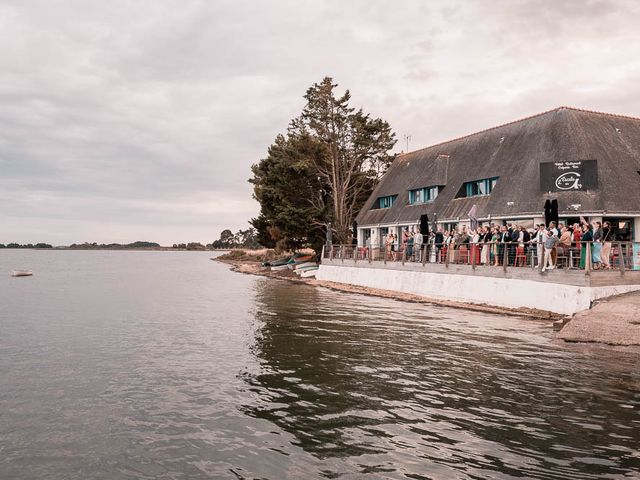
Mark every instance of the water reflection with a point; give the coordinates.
(402, 390)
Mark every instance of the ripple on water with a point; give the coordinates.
(166, 365)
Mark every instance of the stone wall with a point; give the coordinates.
(475, 288)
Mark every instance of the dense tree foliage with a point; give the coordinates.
(26, 245)
(113, 246)
(321, 172)
(292, 197)
(189, 246)
(240, 239)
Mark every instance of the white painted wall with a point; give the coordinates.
(636, 229)
(503, 292)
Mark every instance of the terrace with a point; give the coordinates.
(505, 261)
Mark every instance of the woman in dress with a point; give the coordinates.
(596, 248)
(587, 237)
(495, 236)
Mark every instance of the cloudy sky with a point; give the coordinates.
(139, 120)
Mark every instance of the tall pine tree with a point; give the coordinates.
(321, 172)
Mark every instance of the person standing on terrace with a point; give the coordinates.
(539, 239)
(577, 235)
(605, 252)
(587, 238)
(495, 237)
(375, 247)
(549, 244)
(388, 244)
(565, 241)
(418, 240)
(596, 248)
(439, 243)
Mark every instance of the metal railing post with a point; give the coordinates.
(505, 261)
(587, 259)
(331, 253)
(621, 258)
(446, 257)
(533, 261)
(424, 251)
(473, 248)
(404, 255)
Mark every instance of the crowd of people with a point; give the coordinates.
(542, 246)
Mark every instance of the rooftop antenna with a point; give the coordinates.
(406, 139)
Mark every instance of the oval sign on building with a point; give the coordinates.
(577, 175)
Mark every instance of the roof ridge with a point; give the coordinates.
(517, 121)
(616, 115)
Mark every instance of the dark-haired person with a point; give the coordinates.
(587, 238)
(596, 248)
(550, 243)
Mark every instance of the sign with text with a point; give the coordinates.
(568, 176)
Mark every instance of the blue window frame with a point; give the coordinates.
(422, 195)
(384, 202)
(478, 187)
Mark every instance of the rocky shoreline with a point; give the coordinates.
(612, 321)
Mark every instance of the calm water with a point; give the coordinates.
(165, 365)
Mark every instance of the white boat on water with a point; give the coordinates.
(21, 273)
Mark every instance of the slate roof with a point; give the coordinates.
(513, 152)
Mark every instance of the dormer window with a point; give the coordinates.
(422, 195)
(384, 202)
(477, 187)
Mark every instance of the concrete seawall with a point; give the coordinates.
(563, 293)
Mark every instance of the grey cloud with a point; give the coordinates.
(124, 120)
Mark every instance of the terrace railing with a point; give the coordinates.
(586, 256)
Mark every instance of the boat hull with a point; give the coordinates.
(21, 273)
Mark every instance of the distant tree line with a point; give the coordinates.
(321, 172)
(240, 239)
(26, 245)
(112, 246)
(189, 246)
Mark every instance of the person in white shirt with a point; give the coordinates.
(375, 247)
(418, 240)
(539, 238)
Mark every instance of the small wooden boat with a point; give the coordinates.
(21, 273)
(303, 259)
(305, 264)
(311, 272)
(275, 263)
(279, 267)
(298, 271)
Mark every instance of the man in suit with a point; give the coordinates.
(513, 239)
(504, 240)
(438, 242)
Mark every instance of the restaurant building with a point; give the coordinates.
(589, 162)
